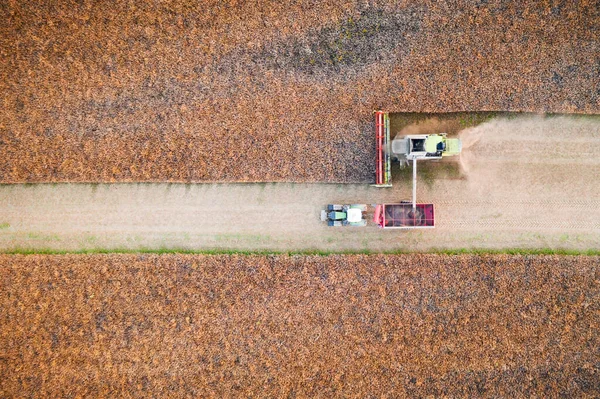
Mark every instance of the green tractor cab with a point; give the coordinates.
(344, 215)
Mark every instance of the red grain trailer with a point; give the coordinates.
(404, 216)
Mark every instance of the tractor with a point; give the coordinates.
(344, 215)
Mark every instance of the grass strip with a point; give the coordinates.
(440, 251)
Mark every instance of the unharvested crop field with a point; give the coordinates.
(271, 90)
(299, 326)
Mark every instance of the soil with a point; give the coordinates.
(521, 182)
(270, 91)
(301, 326)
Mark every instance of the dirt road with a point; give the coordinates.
(527, 182)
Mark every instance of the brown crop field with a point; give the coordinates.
(283, 91)
(299, 326)
(270, 90)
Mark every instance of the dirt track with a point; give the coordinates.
(524, 182)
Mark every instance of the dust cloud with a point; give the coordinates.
(469, 139)
(510, 148)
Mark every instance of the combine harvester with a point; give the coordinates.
(407, 149)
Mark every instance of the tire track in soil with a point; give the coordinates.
(520, 224)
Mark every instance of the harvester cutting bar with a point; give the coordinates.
(382, 147)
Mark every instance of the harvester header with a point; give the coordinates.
(383, 172)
